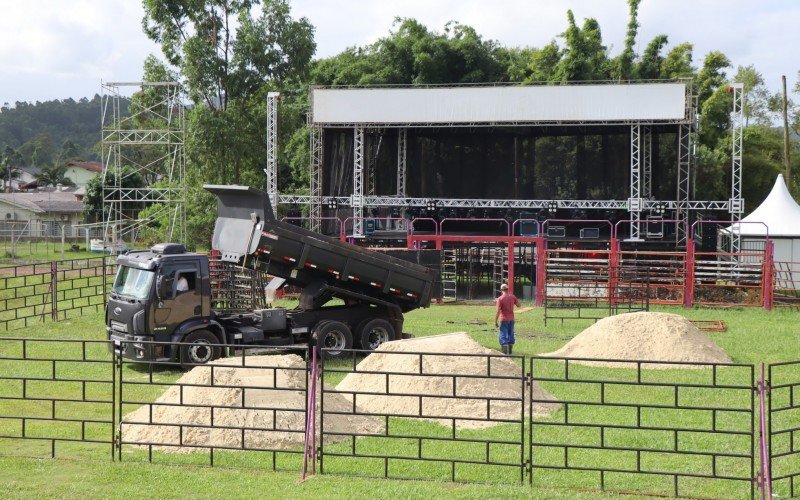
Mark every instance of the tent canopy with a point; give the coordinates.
(778, 211)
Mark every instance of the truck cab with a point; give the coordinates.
(161, 294)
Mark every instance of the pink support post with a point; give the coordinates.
(511, 267)
(688, 274)
(768, 275)
(541, 271)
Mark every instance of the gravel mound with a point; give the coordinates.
(272, 397)
(390, 379)
(651, 336)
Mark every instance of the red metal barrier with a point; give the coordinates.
(688, 275)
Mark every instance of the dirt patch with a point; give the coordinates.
(260, 406)
(650, 336)
(434, 377)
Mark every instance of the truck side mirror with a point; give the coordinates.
(164, 286)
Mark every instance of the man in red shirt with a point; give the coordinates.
(505, 317)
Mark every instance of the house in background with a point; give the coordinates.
(41, 213)
(25, 176)
(81, 172)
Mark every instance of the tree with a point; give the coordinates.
(584, 55)
(678, 63)
(69, 151)
(712, 75)
(622, 66)
(227, 60)
(93, 207)
(756, 105)
(8, 172)
(53, 175)
(649, 65)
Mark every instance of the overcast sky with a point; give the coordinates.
(53, 49)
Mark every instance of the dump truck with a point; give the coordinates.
(161, 304)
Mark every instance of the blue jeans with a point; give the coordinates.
(506, 333)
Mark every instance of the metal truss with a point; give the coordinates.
(684, 176)
(402, 157)
(272, 149)
(317, 148)
(516, 123)
(149, 141)
(357, 202)
(737, 129)
(635, 198)
(406, 202)
(647, 162)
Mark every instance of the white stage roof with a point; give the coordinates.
(599, 103)
(779, 212)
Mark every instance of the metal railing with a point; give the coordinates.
(418, 412)
(53, 290)
(57, 392)
(656, 427)
(693, 428)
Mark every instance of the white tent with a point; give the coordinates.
(781, 214)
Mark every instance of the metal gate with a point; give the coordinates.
(682, 429)
(784, 427)
(417, 415)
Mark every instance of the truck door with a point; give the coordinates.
(180, 295)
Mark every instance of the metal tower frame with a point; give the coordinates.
(317, 144)
(635, 198)
(358, 181)
(150, 140)
(684, 176)
(737, 131)
(272, 149)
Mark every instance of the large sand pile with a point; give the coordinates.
(390, 380)
(648, 336)
(276, 403)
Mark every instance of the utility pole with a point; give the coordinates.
(787, 164)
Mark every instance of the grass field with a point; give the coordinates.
(753, 336)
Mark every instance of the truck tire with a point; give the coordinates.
(333, 335)
(199, 349)
(374, 332)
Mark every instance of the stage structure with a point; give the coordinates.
(639, 111)
(142, 136)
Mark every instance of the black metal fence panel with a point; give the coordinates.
(56, 398)
(784, 427)
(682, 429)
(247, 409)
(53, 291)
(456, 417)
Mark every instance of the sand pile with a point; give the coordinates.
(237, 405)
(390, 380)
(648, 336)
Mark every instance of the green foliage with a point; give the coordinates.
(26, 126)
(93, 208)
(228, 59)
(53, 175)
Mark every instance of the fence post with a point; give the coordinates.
(541, 271)
(510, 267)
(768, 275)
(688, 275)
(613, 274)
(104, 280)
(54, 290)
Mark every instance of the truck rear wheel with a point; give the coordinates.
(333, 335)
(375, 332)
(199, 348)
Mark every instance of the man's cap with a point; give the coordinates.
(503, 287)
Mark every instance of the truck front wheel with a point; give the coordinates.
(333, 335)
(375, 332)
(198, 348)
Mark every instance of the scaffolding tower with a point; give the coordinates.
(142, 127)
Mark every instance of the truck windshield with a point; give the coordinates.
(133, 282)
